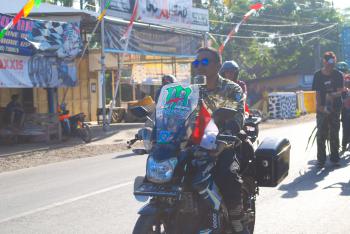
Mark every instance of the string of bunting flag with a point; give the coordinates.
(253, 9)
(23, 13)
(103, 13)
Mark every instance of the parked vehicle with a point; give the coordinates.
(174, 205)
(74, 125)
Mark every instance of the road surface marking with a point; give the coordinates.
(56, 204)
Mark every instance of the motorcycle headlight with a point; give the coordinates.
(160, 172)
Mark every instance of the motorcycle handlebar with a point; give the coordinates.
(133, 141)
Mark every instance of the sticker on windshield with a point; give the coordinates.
(164, 137)
(177, 97)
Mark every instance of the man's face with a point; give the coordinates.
(231, 75)
(329, 64)
(206, 65)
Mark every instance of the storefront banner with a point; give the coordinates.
(14, 41)
(121, 9)
(36, 71)
(56, 39)
(174, 13)
(147, 41)
(43, 51)
(200, 19)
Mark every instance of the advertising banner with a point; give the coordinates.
(36, 71)
(38, 53)
(174, 13)
(148, 41)
(15, 41)
(121, 9)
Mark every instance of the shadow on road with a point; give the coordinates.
(125, 155)
(309, 178)
(344, 186)
(98, 133)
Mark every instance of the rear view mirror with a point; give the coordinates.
(139, 111)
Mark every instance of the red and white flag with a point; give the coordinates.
(253, 9)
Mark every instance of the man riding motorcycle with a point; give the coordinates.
(166, 79)
(222, 93)
(230, 71)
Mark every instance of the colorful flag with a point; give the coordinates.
(254, 8)
(103, 13)
(23, 13)
(131, 23)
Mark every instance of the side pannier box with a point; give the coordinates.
(272, 161)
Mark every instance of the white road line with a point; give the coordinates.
(56, 204)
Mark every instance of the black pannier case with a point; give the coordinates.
(272, 161)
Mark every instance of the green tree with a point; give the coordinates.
(267, 50)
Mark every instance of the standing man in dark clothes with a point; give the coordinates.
(345, 113)
(328, 84)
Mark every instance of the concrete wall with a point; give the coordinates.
(278, 83)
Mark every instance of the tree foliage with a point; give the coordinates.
(267, 50)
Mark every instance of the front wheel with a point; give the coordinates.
(149, 224)
(85, 133)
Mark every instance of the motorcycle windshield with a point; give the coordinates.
(176, 103)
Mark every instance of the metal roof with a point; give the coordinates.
(45, 8)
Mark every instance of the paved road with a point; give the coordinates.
(94, 195)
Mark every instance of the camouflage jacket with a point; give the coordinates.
(227, 94)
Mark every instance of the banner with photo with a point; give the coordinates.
(175, 13)
(147, 41)
(44, 52)
(36, 71)
(56, 39)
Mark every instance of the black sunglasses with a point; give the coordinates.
(204, 62)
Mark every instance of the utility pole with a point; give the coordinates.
(81, 4)
(103, 69)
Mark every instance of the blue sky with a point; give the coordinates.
(341, 3)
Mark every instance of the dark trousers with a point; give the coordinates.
(328, 126)
(227, 178)
(346, 127)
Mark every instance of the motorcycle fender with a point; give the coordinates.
(152, 209)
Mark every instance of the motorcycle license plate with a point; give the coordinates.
(149, 189)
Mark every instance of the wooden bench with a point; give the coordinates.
(47, 123)
(35, 125)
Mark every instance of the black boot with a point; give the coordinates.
(236, 214)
